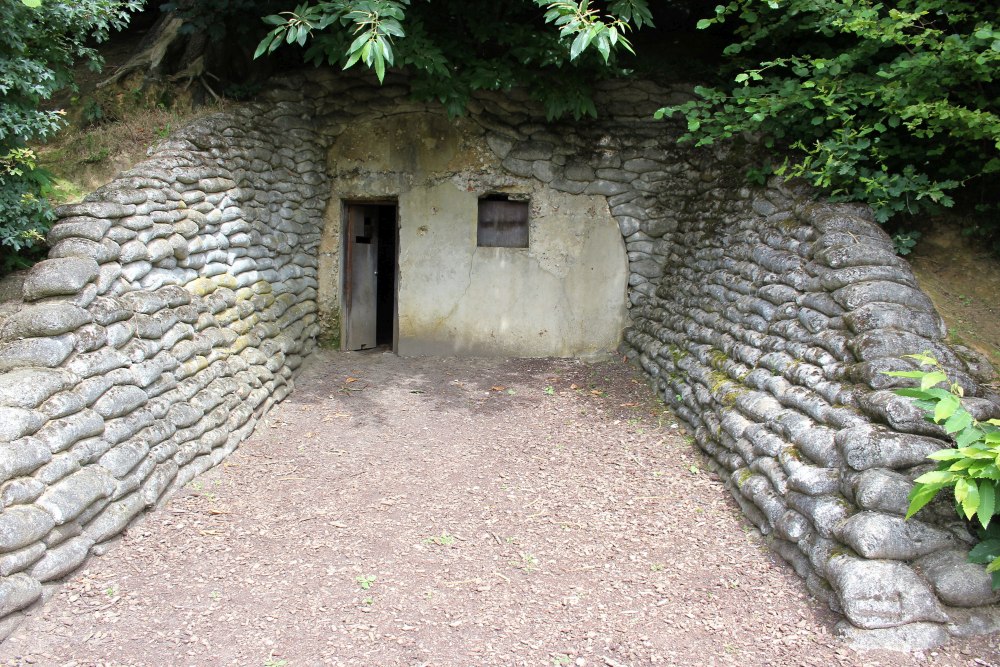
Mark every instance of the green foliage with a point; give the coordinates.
(584, 26)
(987, 552)
(971, 468)
(894, 104)
(41, 42)
(904, 241)
(453, 48)
(25, 215)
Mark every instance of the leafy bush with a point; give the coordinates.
(41, 42)
(25, 215)
(904, 241)
(894, 104)
(970, 468)
(454, 47)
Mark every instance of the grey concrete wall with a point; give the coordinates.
(562, 296)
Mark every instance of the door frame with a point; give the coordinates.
(345, 258)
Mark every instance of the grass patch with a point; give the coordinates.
(111, 131)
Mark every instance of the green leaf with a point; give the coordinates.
(967, 493)
(987, 502)
(920, 496)
(985, 551)
(274, 19)
(579, 44)
(961, 464)
(936, 477)
(946, 407)
(911, 393)
(703, 23)
(977, 453)
(968, 436)
(264, 43)
(946, 455)
(925, 358)
(958, 421)
(931, 379)
(352, 59)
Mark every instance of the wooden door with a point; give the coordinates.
(361, 274)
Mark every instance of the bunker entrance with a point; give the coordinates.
(370, 260)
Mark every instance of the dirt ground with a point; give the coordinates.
(450, 512)
(964, 282)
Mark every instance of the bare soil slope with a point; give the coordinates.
(964, 283)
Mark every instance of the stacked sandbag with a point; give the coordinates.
(769, 334)
(767, 321)
(178, 301)
(174, 307)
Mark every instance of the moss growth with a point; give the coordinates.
(718, 359)
(723, 389)
(718, 381)
(744, 475)
(842, 502)
(843, 551)
(789, 223)
(329, 336)
(64, 190)
(676, 353)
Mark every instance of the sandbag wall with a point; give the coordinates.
(178, 301)
(766, 320)
(172, 311)
(769, 334)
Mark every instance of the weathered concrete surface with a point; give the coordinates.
(562, 296)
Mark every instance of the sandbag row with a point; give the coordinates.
(173, 310)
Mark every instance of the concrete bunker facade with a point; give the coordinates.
(178, 301)
(561, 294)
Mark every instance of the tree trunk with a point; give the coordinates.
(171, 53)
(157, 53)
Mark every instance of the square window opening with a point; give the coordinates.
(502, 223)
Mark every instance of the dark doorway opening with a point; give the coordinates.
(370, 259)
